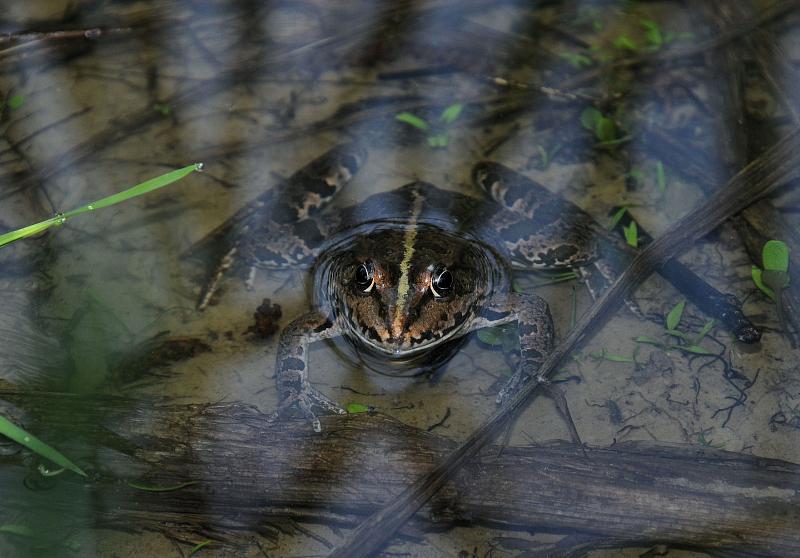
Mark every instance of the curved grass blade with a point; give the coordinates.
(138, 190)
(11, 430)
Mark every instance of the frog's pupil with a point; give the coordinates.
(444, 280)
(362, 274)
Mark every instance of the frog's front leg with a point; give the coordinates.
(291, 370)
(535, 329)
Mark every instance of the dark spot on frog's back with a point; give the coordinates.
(308, 231)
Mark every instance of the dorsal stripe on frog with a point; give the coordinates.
(405, 265)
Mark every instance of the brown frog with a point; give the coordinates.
(405, 274)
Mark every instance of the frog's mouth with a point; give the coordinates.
(406, 359)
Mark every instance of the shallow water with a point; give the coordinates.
(256, 92)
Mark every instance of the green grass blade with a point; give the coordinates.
(30, 230)
(138, 190)
(11, 430)
(412, 120)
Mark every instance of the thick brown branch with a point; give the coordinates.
(250, 473)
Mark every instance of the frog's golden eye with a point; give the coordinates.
(441, 282)
(365, 277)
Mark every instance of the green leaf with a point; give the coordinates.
(356, 408)
(775, 256)
(590, 116)
(676, 333)
(15, 101)
(648, 340)
(631, 234)
(605, 129)
(451, 113)
(605, 355)
(674, 316)
(576, 60)
(138, 190)
(696, 349)
(198, 547)
(625, 43)
(661, 178)
(491, 336)
(438, 140)
(11, 430)
(653, 33)
(617, 217)
(703, 332)
(755, 273)
(412, 120)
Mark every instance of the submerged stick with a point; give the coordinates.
(774, 168)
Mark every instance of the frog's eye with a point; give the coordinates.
(364, 277)
(442, 282)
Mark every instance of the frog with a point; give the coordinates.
(406, 274)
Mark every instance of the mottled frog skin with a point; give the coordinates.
(405, 274)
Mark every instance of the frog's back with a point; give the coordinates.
(417, 203)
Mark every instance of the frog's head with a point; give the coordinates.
(407, 289)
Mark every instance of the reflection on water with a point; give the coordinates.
(634, 112)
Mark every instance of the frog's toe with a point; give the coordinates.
(308, 403)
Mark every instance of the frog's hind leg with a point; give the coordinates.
(539, 229)
(280, 228)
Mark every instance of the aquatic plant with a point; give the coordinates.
(138, 190)
(436, 131)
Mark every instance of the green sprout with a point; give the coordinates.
(198, 547)
(162, 108)
(577, 60)
(545, 157)
(691, 343)
(602, 126)
(138, 190)
(603, 354)
(617, 217)
(623, 42)
(775, 275)
(437, 131)
(11, 430)
(631, 234)
(14, 102)
(357, 408)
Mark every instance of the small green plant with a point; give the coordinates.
(436, 131)
(14, 432)
(691, 343)
(631, 232)
(577, 60)
(623, 42)
(603, 354)
(602, 126)
(14, 102)
(504, 336)
(138, 190)
(775, 275)
(198, 547)
(162, 109)
(545, 157)
(357, 408)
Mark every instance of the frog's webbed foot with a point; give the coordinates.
(291, 372)
(309, 403)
